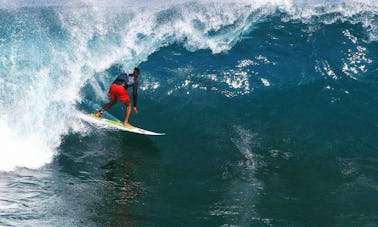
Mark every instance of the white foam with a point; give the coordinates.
(265, 82)
(245, 63)
(30, 150)
(245, 142)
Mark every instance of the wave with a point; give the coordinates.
(50, 50)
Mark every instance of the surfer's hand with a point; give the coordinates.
(135, 110)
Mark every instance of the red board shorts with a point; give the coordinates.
(118, 92)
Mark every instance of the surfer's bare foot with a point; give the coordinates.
(127, 124)
(99, 114)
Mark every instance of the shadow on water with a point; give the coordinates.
(112, 173)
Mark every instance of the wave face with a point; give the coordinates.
(50, 51)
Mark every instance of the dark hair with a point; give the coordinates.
(136, 69)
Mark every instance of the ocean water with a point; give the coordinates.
(270, 111)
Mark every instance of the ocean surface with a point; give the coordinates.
(270, 110)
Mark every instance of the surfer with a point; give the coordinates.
(118, 90)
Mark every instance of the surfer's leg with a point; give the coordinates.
(113, 94)
(106, 107)
(128, 112)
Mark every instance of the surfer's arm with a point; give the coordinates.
(135, 95)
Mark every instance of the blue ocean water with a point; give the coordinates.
(270, 110)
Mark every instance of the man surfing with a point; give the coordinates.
(118, 90)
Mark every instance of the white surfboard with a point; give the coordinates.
(120, 126)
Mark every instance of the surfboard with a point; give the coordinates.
(120, 126)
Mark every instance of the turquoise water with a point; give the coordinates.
(269, 109)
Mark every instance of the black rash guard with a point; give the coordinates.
(127, 81)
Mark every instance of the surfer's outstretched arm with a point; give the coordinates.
(135, 96)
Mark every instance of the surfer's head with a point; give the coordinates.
(136, 72)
